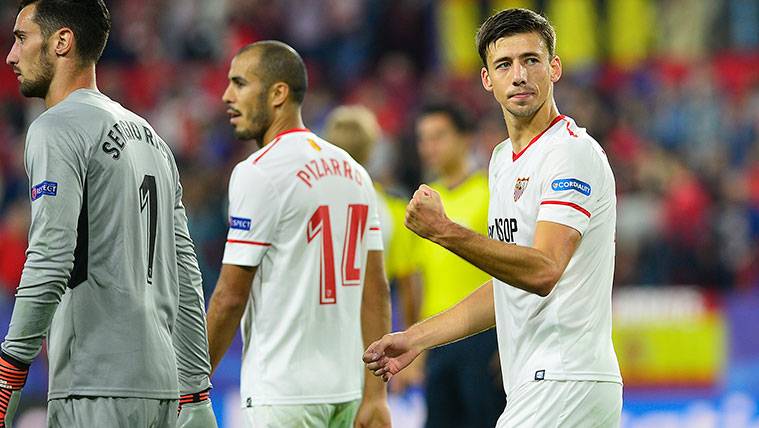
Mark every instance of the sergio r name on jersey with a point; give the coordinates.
(304, 212)
(562, 176)
(109, 241)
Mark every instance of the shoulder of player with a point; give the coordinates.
(61, 123)
(281, 146)
(499, 150)
(572, 140)
(250, 175)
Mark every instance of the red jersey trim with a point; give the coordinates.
(290, 131)
(374, 228)
(570, 130)
(277, 139)
(238, 241)
(516, 156)
(568, 204)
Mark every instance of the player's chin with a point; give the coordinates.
(242, 133)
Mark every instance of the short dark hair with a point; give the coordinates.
(279, 62)
(89, 20)
(510, 22)
(460, 118)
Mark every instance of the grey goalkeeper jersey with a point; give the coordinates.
(110, 260)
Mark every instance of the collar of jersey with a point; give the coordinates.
(555, 120)
(290, 131)
(276, 140)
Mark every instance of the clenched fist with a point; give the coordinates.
(425, 214)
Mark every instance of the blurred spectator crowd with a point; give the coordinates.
(670, 90)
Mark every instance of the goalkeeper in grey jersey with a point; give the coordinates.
(111, 276)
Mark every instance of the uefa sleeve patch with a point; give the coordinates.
(563, 184)
(49, 188)
(239, 223)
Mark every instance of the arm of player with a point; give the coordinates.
(227, 307)
(534, 269)
(410, 297)
(254, 210)
(189, 336)
(375, 322)
(56, 164)
(394, 352)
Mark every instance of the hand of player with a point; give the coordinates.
(373, 413)
(195, 411)
(13, 375)
(425, 214)
(389, 355)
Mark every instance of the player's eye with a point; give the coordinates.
(532, 61)
(503, 65)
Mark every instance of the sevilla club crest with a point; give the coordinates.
(519, 187)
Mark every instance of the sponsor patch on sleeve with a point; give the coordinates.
(239, 223)
(49, 188)
(562, 184)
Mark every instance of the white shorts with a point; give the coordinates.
(565, 404)
(339, 415)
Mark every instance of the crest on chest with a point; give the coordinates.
(519, 187)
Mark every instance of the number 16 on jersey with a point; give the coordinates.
(350, 271)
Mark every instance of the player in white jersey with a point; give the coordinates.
(550, 250)
(302, 268)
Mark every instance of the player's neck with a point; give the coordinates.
(455, 174)
(523, 129)
(282, 123)
(65, 82)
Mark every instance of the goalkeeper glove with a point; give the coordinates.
(195, 411)
(12, 378)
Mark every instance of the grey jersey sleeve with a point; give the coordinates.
(190, 337)
(56, 163)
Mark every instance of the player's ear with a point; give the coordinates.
(279, 93)
(62, 41)
(485, 76)
(555, 69)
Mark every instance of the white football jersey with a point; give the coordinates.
(562, 176)
(305, 213)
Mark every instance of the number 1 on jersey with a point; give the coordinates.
(149, 199)
(319, 223)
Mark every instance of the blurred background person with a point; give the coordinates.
(355, 129)
(462, 387)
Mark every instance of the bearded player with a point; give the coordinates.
(303, 270)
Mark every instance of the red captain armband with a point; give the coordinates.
(13, 372)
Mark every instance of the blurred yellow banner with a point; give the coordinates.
(673, 336)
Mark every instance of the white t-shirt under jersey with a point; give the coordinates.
(305, 213)
(562, 176)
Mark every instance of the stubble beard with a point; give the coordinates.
(39, 85)
(525, 112)
(259, 124)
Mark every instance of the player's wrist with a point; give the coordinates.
(417, 338)
(374, 388)
(195, 397)
(13, 372)
(448, 231)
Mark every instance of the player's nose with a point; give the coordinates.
(519, 76)
(12, 58)
(226, 97)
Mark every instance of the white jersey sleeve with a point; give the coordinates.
(254, 210)
(569, 179)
